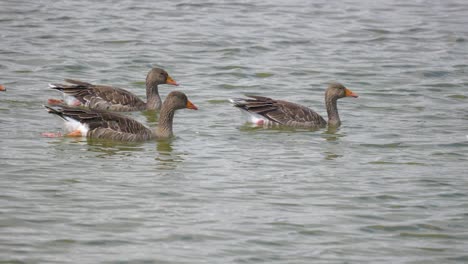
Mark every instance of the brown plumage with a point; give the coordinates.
(102, 97)
(114, 126)
(270, 112)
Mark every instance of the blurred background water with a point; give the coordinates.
(389, 186)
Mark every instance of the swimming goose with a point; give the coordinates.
(107, 125)
(101, 97)
(264, 111)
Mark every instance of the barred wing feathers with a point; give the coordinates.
(281, 112)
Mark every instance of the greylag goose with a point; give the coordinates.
(264, 111)
(101, 97)
(2, 88)
(107, 125)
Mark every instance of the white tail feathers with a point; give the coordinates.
(236, 101)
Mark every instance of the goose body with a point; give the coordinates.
(107, 125)
(102, 97)
(265, 111)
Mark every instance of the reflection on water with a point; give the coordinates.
(152, 117)
(164, 147)
(331, 156)
(105, 147)
(63, 140)
(332, 134)
(166, 157)
(249, 127)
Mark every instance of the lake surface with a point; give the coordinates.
(390, 186)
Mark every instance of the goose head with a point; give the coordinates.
(158, 76)
(178, 100)
(337, 91)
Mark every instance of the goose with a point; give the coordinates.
(82, 122)
(102, 97)
(2, 88)
(264, 111)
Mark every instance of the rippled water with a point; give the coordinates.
(389, 186)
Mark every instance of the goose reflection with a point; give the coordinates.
(106, 148)
(166, 158)
(332, 135)
(152, 117)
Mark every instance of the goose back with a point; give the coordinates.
(105, 125)
(101, 97)
(280, 112)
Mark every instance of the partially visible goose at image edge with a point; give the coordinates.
(102, 97)
(2, 88)
(107, 125)
(264, 111)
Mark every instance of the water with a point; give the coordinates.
(389, 186)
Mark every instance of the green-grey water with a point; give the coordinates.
(389, 186)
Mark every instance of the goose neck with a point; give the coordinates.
(153, 99)
(332, 111)
(166, 117)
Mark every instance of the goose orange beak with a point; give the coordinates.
(190, 105)
(171, 81)
(350, 93)
(2, 88)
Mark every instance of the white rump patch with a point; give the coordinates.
(73, 125)
(254, 118)
(71, 100)
(250, 117)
